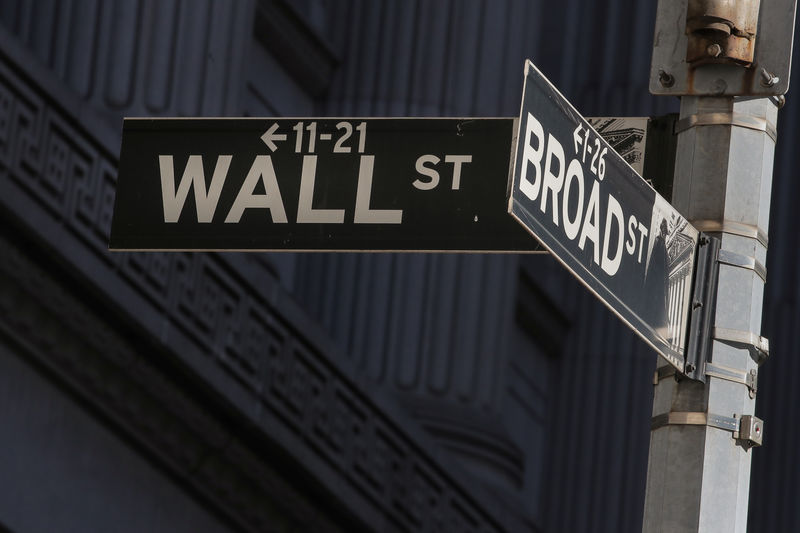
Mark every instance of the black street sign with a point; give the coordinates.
(316, 184)
(601, 220)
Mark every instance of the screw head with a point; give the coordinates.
(714, 50)
(665, 78)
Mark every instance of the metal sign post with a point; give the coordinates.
(699, 466)
(702, 431)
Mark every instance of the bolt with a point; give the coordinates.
(714, 50)
(665, 78)
(767, 78)
(719, 87)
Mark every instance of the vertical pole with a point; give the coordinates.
(698, 475)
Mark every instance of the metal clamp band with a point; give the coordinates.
(758, 345)
(743, 261)
(746, 429)
(734, 228)
(748, 379)
(690, 418)
(727, 119)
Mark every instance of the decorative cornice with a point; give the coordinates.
(60, 333)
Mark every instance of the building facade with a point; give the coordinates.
(323, 392)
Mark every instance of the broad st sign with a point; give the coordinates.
(601, 220)
(316, 184)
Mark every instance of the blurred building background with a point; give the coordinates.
(285, 392)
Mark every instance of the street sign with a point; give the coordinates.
(601, 220)
(322, 184)
(326, 184)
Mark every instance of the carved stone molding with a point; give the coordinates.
(50, 325)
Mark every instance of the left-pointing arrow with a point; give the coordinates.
(270, 137)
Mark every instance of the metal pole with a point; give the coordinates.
(698, 475)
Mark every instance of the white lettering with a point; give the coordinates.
(576, 137)
(590, 228)
(574, 174)
(427, 171)
(552, 182)
(261, 170)
(630, 245)
(457, 161)
(642, 235)
(559, 182)
(205, 201)
(531, 156)
(305, 212)
(365, 215)
(611, 265)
